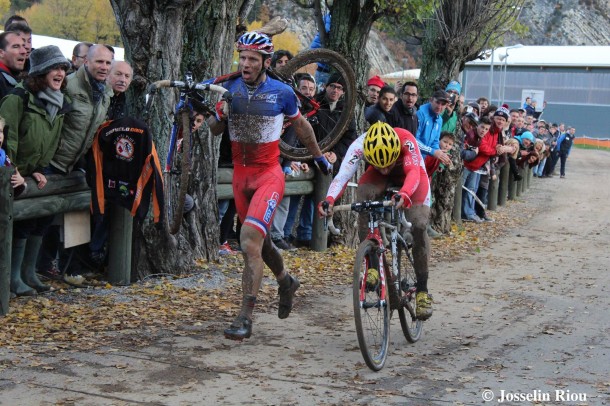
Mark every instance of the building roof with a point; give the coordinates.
(551, 56)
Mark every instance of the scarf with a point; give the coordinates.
(53, 100)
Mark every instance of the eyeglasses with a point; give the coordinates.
(452, 92)
(335, 86)
(80, 57)
(409, 94)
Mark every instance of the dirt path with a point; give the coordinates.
(528, 316)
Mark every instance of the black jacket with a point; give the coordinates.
(406, 119)
(125, 169)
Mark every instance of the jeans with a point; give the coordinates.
(539, 170)
(279, 221)
(470, 180)
(304, 230)
(292, 215)
(223, 205)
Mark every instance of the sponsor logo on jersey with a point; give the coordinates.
(271, 204)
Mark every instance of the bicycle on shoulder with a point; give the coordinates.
(178, 163)
(384, 279)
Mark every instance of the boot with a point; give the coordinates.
(432, 233)
(18, 287)
(28, 270)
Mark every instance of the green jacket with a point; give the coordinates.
(449, 122)
(81, 123)
(31, 139)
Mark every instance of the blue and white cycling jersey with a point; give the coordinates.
(256, 119)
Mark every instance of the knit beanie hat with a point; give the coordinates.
(455, 86)
(502, 112)
(43, 59)
(336, 78)
(375, 81)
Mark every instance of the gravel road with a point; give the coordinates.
(524, 321)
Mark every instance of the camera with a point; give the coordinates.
(452, 98)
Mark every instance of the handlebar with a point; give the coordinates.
(189, 85)
(361, 207)
(183, 85)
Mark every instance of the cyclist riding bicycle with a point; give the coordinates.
(394, 159)
(254, 119)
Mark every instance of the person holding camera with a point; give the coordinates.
(450, 115)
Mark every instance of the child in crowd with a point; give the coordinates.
(446, 145)
(17, 181)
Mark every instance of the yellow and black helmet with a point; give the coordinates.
(381, 145)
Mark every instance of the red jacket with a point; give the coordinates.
(487, 149)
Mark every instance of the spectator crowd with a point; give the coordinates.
(52, 108)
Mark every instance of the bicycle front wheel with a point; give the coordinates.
(332, 62)
(371, 309)
(176, 174)
(411, 327)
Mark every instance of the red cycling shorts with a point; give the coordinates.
(257, 191)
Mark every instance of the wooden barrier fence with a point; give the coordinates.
(70, 193)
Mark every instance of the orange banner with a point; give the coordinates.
(593, 142)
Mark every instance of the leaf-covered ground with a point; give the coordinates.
(89, 318)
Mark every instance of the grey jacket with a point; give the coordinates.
(80, 124)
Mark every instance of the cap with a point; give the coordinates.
(440, 95)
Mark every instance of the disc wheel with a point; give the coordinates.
(176, 176)
(411, 327)
(371, 310)
(334, 62)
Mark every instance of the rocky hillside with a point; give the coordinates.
(565, 22)
(549, 22)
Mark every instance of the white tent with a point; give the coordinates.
(66, 46)
(408, 74)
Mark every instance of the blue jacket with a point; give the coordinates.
(316, 40)
(428, 130)
(569, 142)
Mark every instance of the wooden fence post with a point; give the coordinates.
(319, 236)
(504, 182)
(6, 237)
(119, 246)
(529, 177)
(512, 188)
(457, 202)
(492, 193)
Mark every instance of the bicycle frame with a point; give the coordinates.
(376, 227)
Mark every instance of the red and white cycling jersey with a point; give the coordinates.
(410, 169)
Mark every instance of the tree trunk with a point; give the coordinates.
(350, 28)
(162, 40)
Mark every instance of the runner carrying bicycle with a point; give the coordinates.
(394, 159)
(255, 118)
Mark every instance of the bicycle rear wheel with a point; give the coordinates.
(411, 327)
(335, 63)
(176, 174)
(371, 310)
